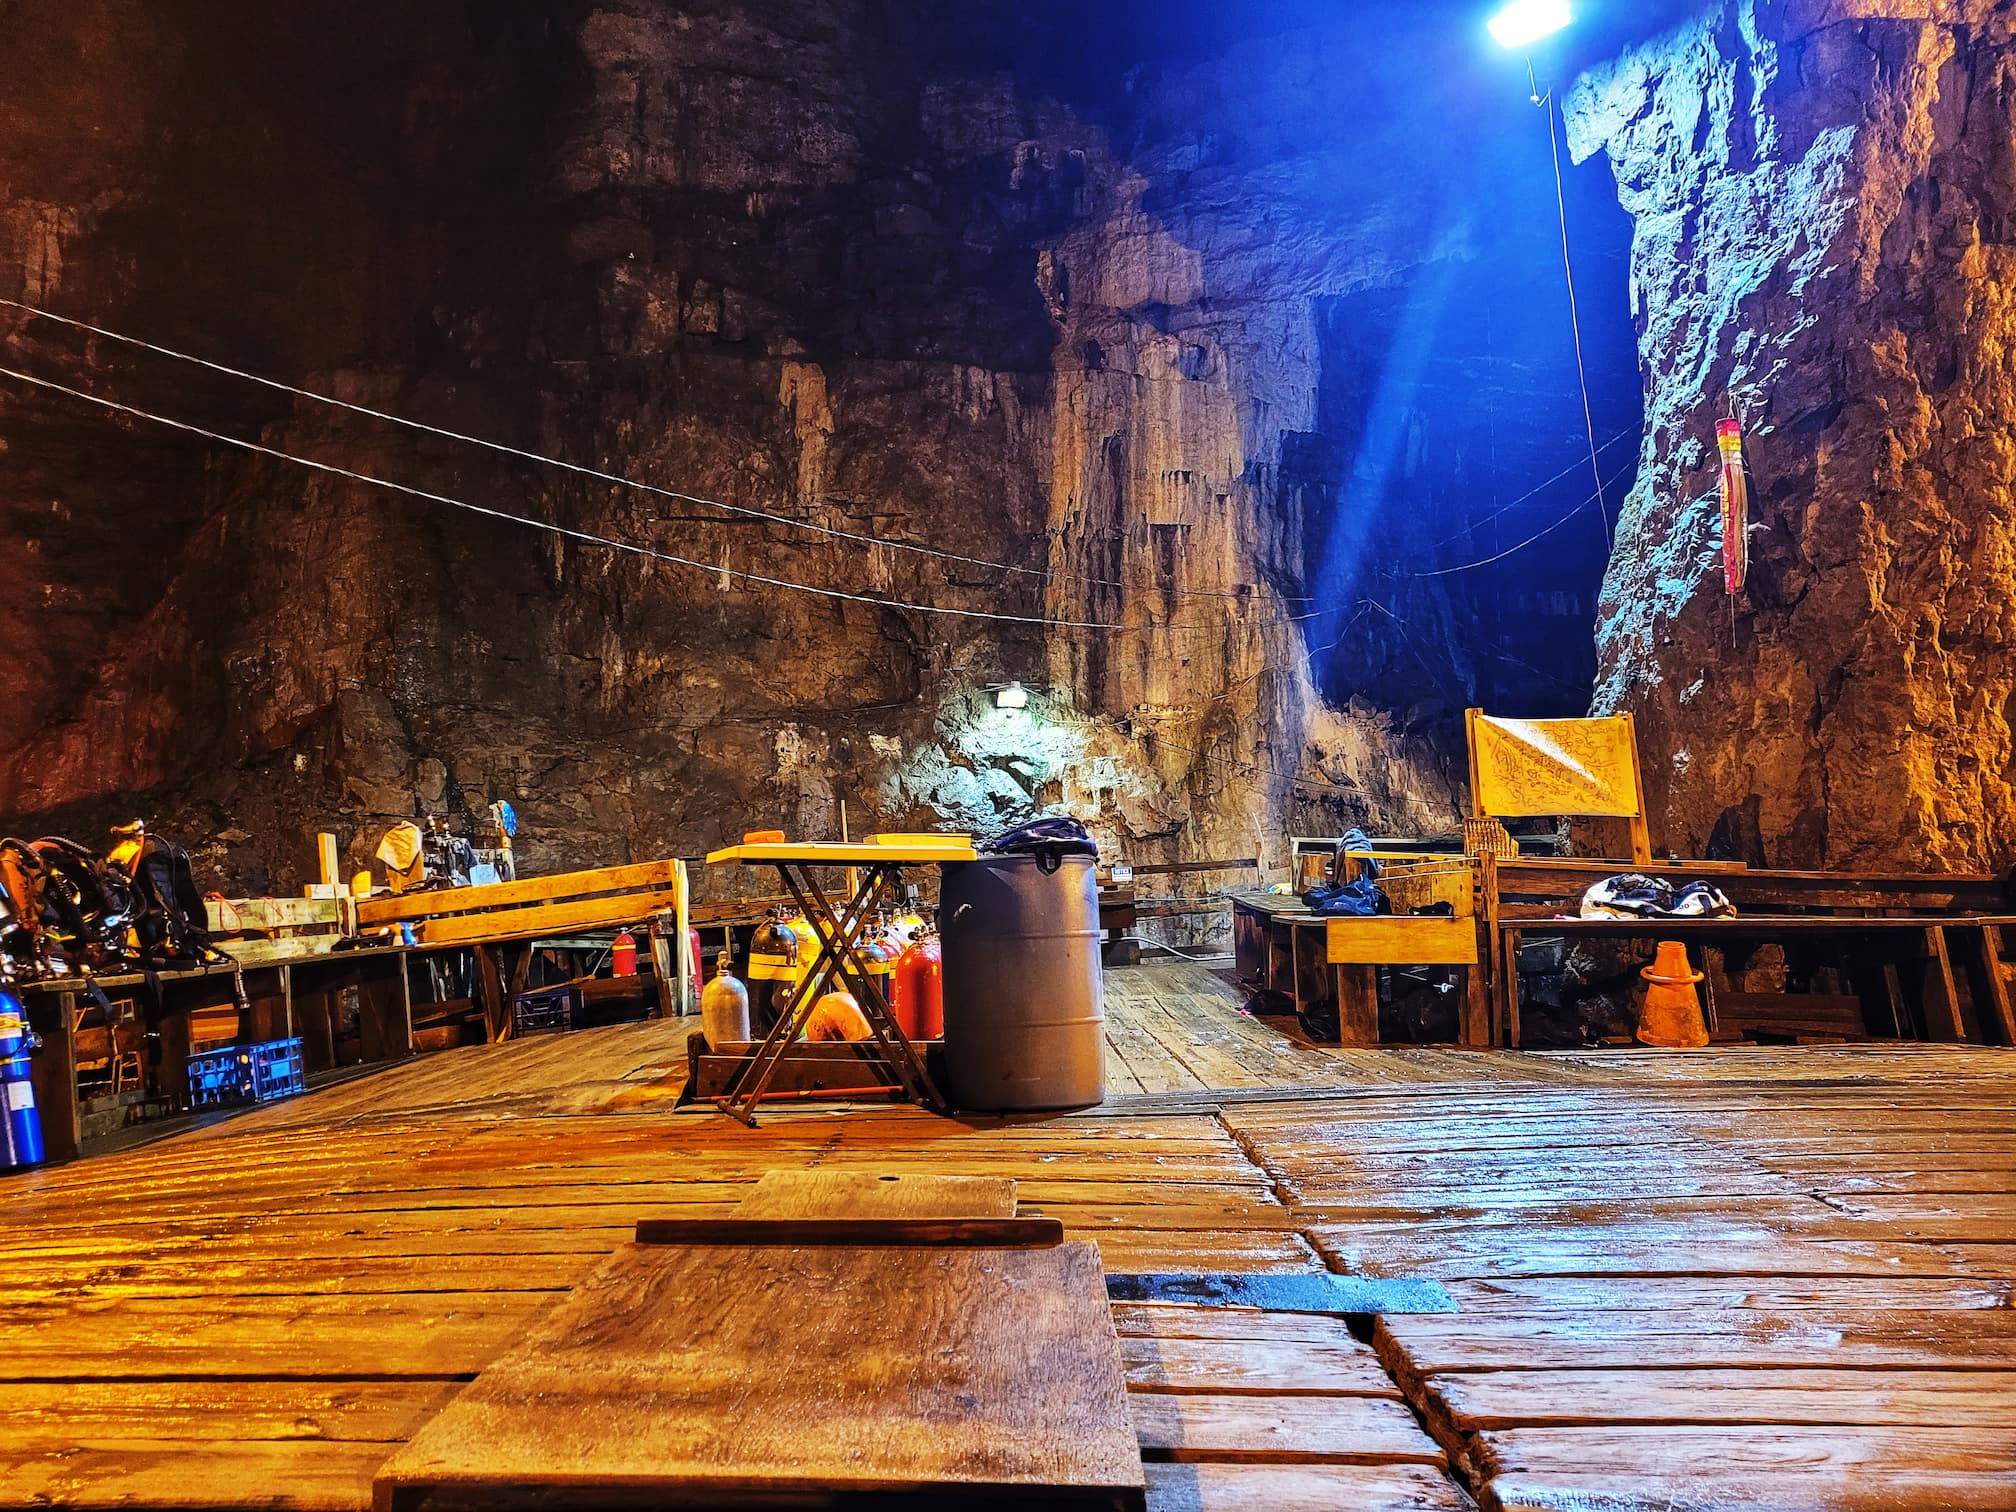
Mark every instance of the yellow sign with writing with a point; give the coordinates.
(1530, 767)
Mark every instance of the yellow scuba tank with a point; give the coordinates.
(774, 953)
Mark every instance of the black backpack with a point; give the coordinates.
(170, 921)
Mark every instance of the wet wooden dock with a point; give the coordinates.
(1737, 1278)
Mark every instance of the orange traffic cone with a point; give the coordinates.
(1671, 1017)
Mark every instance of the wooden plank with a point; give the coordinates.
(306, 1475)
(1280, 1429)
(52, 1414)
(1559, 1398)
(1429, 1344)
(1993, 990)
(868, 1194)
(1161, 1320)
(736, 1230)
(452, 1333)
(1396, 941)
(1801, 1488)
(1248, 1366)
(230, 916)
(439, 901)
(1680, 1450)
(1613, 1294)
(1212, 1487)
(1941, 996)
(916, 1372)
(548, 918)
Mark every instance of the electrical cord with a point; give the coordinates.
(1574, 316)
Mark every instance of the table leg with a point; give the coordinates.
(1357, 1005)
(881, 1018)
(52, 1071)
(769, 1055)
(1996, 985)
(1510, 939)
(1942, 997)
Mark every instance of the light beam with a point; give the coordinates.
(1524, 22)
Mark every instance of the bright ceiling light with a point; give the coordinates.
(1524, 22)
(1013, 696)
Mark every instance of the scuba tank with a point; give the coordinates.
(20, 1124)
(920, 990)
(724, 1008)
(773, 970)
(878, 959)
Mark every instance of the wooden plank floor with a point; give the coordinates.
(1732, 1278)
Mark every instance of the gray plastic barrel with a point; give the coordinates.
(1025, 1023)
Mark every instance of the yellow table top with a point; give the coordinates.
(838, 853)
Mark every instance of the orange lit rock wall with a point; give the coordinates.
(1825, 199)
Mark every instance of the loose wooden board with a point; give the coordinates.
(679, 1374)
(1177, 1487)
(867, 1194)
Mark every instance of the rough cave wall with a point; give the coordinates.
(757, 254)
(1825, 199)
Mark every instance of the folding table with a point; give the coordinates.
(876, 869)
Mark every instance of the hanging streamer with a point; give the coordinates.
(1735, 506)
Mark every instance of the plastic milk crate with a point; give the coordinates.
(245, 1074)
(546, 1008)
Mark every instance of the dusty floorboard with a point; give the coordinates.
(1732, 1278)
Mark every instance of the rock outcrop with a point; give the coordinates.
(1825, 207)
(806, 259)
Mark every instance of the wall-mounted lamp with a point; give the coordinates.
(1011, 696)
(1524, 22)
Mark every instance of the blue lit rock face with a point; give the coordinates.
(1825, 201)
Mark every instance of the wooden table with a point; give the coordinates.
(1924, 922)
(876, 871)
(305, 996)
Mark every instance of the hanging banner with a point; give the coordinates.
(1735, 506)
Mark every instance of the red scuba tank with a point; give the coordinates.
(920, 993)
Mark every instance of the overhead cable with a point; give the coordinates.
(714, 568)
(617, 479)
(1574, 316)
(1471, 528)
(653, 553)
(1538, 535)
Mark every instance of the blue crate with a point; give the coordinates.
(246, 1074)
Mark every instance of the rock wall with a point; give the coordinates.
(808, 258)
(1823, 197)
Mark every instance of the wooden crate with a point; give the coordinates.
(1413, 885)
(260, 931)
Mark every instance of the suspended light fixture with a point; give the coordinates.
(1011, 696)
(1524, 22)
